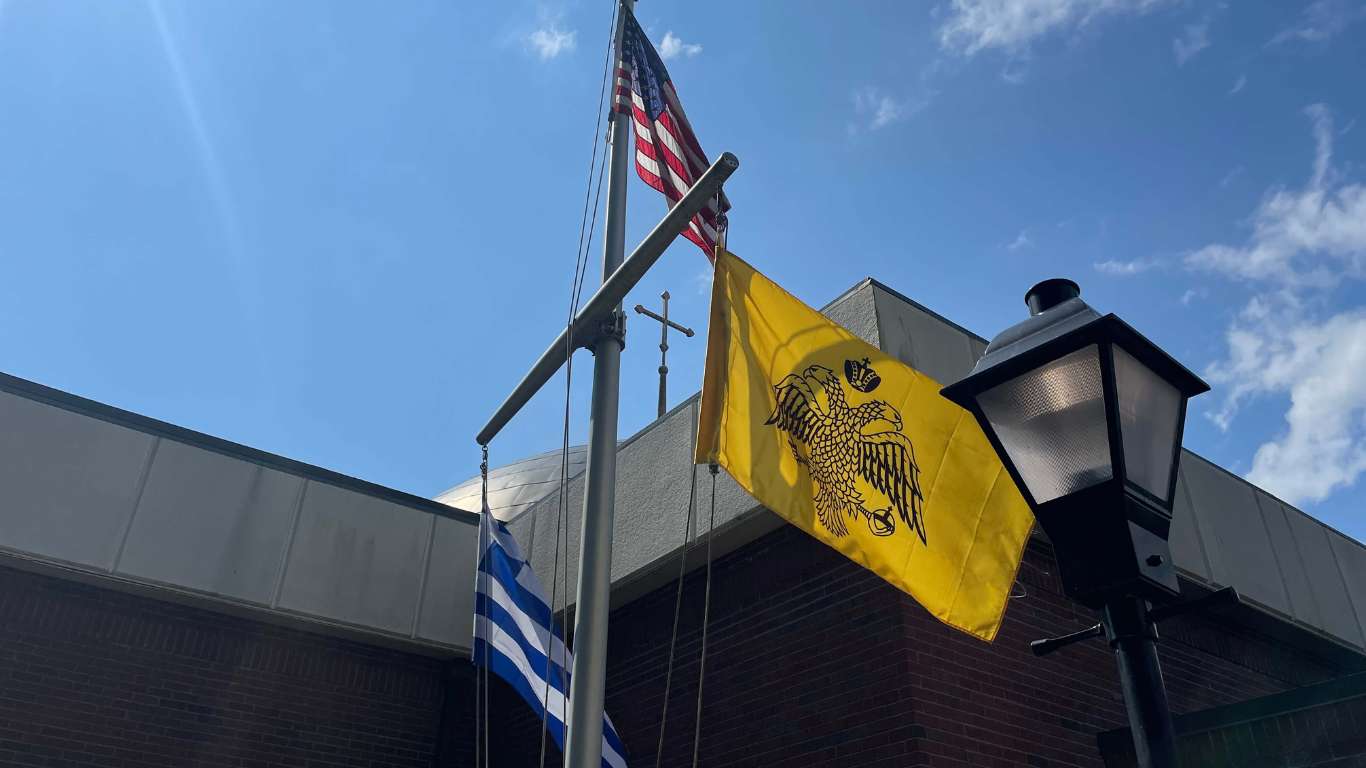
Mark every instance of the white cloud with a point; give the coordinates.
(1276, 348)
(551, 40)
(1305, 237)
(1011, 25)
(1125, 268)
(1194, 39)
(672, 47)
(1021, 241)
(1231, 176)
(877, 109)
(1238, 85)
(1320, 21)
(1288, 341)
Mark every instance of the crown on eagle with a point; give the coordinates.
(861, 375)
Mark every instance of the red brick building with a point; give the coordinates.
(812, 660)
(170, 599)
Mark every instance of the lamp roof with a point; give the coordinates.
(1061, 322)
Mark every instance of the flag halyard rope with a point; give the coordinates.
(689, 535)
(706, 619)
(483, 510)
(559, 570)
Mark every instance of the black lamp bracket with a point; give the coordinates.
(1224, 597)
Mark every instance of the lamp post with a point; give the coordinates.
(1087, 415)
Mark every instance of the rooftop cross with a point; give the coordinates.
(665, 325)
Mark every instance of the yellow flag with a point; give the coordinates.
(859, 450)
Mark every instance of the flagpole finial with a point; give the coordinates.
(484, 477)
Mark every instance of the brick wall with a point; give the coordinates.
(1319, 726)
(988, 705)
(813, 661)
(91, 677)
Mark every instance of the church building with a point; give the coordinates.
(171, 599)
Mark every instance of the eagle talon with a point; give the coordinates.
(881, 522)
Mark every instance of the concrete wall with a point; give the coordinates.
(92, 492)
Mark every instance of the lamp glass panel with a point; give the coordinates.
(1051, 422)
(1149, 408)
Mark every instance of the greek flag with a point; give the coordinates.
(514, 636)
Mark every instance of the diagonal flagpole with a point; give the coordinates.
(583, 745)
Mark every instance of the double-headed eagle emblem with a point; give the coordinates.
(838, 443)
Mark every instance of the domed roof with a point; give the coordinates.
(515, 487)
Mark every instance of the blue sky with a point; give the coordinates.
(342, 231)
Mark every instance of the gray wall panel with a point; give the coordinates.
(1351, 560)
(855, 311)
(522, 531)
(652, 512)
(537, 539)
(91, 489)
(70, 481)
(1320, 564)
(211, 522)
(1234, 534)
(1188, 551)
(357, 559)
(1302, 603)
(448, 598)
(922, 340)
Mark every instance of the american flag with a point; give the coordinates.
(668, 156)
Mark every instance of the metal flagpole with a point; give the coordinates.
(583, 746)
(601, 320)
(588, 323)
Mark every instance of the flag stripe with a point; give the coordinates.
(523, 630)
(520, 674)
(515, 638)
(664, 137)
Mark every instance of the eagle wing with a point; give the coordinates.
(802, 416)
(887, 461)
(799, 412)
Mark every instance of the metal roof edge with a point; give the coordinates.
(1350, 539)
(108, 413)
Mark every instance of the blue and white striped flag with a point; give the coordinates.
(514, 636)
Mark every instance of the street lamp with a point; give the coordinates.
(1087, 415)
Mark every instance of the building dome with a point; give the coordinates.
(515, 487)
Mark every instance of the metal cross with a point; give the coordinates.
(665, 325)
